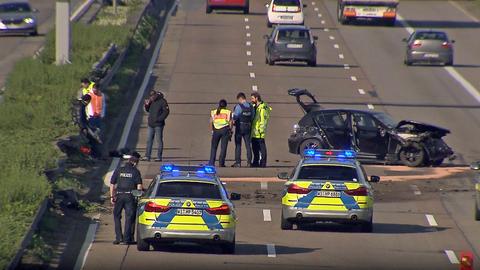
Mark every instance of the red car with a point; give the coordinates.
(228, 4)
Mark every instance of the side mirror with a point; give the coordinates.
(137, 193)
(235, 196)
(404, 39)
(374, 179)
(266, 36)
(475, 165)
(283, 176)
(452, 41)
(315, 38)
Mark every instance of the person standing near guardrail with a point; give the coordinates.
(157, 107)
(123, 181)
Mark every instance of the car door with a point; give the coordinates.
(367, 133)
(334, 124)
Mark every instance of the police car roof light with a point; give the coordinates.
(167, 168)
(319, 153)
(209, 169)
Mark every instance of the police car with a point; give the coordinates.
(328, 185)
(186, 203)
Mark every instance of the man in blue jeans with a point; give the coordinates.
(157, 108)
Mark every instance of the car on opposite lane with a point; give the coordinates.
(285, 12)
(429, 47)
(17, 17)
(376, 136)
(186, 203)
(328, 185)
(243, 5)
(291, 43)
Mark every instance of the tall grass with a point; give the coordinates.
(36, 112)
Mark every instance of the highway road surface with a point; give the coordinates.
(419, 224)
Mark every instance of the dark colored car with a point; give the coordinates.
(291, 43)
(428, 46)
(243, 5)
(375, 136)
(17, 17)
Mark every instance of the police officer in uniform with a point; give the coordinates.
(124, 180)
(243, 114)
(221, 125)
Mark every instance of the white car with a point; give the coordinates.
(285, 12)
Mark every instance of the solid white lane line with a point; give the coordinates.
(431, 220)
(361, 91)
(326, 29)
(271, 253)
(247, 26)
(252, 75)
(322, 22)
(346, 66)
(254, 88)
(246, 19)
(341, 56)
(316, 9)
(464, 11)
(336, 46)
(248, 35)
(452, 257)
(416, 190)
(331, 37)
(370, 107)
(249, 53)
(353, 78)
(263, 185)
(248, 43)
(474, 92)
(249, 63)
(267, 215)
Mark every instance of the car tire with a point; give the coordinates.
(229, 248)
(407, 62)
(246, 10)
(285, 224)
(449, 63)
(312, 63)
(34, 33)
(413, 155)
(208, 9)
(270, 62)
(269, 24)
(142, 245)
(309, 143)
(477, 211)
(436, 163)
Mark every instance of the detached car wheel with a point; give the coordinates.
(412, 155)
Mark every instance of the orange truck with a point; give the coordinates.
(382, 11)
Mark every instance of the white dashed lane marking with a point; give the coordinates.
(346, 66)
(353, 78)
(249, 53)
(248, 35)
(361, 91)
(416, 190)
(252, 75)
(249, 63)
(336, 46)
(246, 19)
(319, 15)
(322, 22)
(431, 220)
(326, 29)
(370, 106)
(341, 56)
(313, 3)
(452, 257)
(316, 9)
(267, 215)
(254, 88)
(247, 26)
(331, 37)
(263, 185)
(271, 253)
(248, 43)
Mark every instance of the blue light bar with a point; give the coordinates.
(167, 168)
(325, 153)
(209, 169)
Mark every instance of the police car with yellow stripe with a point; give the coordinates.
(328, 185)
(186, 203)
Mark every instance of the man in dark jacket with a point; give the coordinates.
(157, 108)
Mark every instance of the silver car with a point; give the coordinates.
(17, 17)
(429, 47)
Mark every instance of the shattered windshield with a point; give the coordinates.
(386, 119)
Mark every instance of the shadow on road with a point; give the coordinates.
(378, 228)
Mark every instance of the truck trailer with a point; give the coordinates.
(382, 11)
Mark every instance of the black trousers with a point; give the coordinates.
(219, 135)
(259, 152)
(245, 135)
(127, 202)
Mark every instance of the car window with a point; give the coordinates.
(431, 36)
(15, 8)
(328, 172)
(386, 119)
(331, 119)
(188, 190)
(290, 3)
(289, 35)
(363, 120)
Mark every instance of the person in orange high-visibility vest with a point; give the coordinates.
(221, 126)
(95, 113)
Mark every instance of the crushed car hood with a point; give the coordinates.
(423, 127)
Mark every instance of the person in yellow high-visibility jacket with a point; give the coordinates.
(221, 126)
(259, 129)
(87, 86)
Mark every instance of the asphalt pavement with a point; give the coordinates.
(420, 223)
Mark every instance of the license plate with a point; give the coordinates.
(329, 194)
(370, 10)
(286, 17)
(189, 212)
(295, 46)
(431, 55)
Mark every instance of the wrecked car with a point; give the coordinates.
(376, 136)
